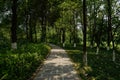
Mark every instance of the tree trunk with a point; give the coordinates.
(113, 49)
(43, 36)
(27, 21)
(31, 29)
(90, 25)
(109, 24)
(74, 30)
(98, 43)
(27, 28)
(60, 33)
(84, 34)
(113, 45)
(14, 25)
(74, 36)
(110, 35)
(63, 37)
(35, 32)
(70, 36)
(94, 28)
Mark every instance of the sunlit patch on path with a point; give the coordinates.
(57, 67)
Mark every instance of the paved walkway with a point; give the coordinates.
(57, 67)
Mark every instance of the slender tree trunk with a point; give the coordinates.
(84, 33)
(60, 35)
(31, 29)
(75, 32)
(43, 36)
(58, 31)
(113, 44)
(27, 28)
(94, 27)
(90, 23)
(63, 37)
(71, 32)
(109, 24)
(110, 35)
(14, 25)
(91, 40)
(35, 32)
(34, 29)
(27, 21)
(70, 36)
(98, 44)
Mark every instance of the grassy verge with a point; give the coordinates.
(21, 63)
(100, 67)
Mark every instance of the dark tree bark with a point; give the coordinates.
(84, 33)
(27, 21)
(63, 36)
(71, 32)
(94, 26)
(98, 37)
(43, 35)
(33, 28)
(70, 39)
(110, 34)
(35, 32)
(30, 29)
(74, 31)
(109, 23)
(44, 14)
(14, 25)
(74, 36)
(60, 35)
(27, 28)
(90, 22)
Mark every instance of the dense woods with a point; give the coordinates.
(93, 25)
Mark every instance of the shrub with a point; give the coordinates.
(20, 64)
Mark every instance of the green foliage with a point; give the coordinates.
(20, 64)
(57, 15)
(100, 67)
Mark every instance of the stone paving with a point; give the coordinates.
(57, 67)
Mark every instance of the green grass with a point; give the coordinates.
(100, 67)
(21, 63)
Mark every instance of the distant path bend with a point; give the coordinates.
(57, 66)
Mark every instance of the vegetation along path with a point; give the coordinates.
(57, 67)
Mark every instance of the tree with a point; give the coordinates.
(84, 33)
(14, 25)
(26, 19)
(109, 23)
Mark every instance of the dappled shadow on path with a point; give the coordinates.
(57, 67)
(52, 71)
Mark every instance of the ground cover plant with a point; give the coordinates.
(100, 67)
(21, 63)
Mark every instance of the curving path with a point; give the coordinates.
(57, 66)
